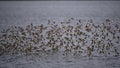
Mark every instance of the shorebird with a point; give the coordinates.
(88, 27)
(79, 20)
(89, 51)
(107, 20)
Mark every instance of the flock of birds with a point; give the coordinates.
(66, 38)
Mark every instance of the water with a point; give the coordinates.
(56, 61)
(19, 13)
(37, 12)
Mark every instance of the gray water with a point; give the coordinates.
(19, 13)
(37, 12)
(53, 61)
